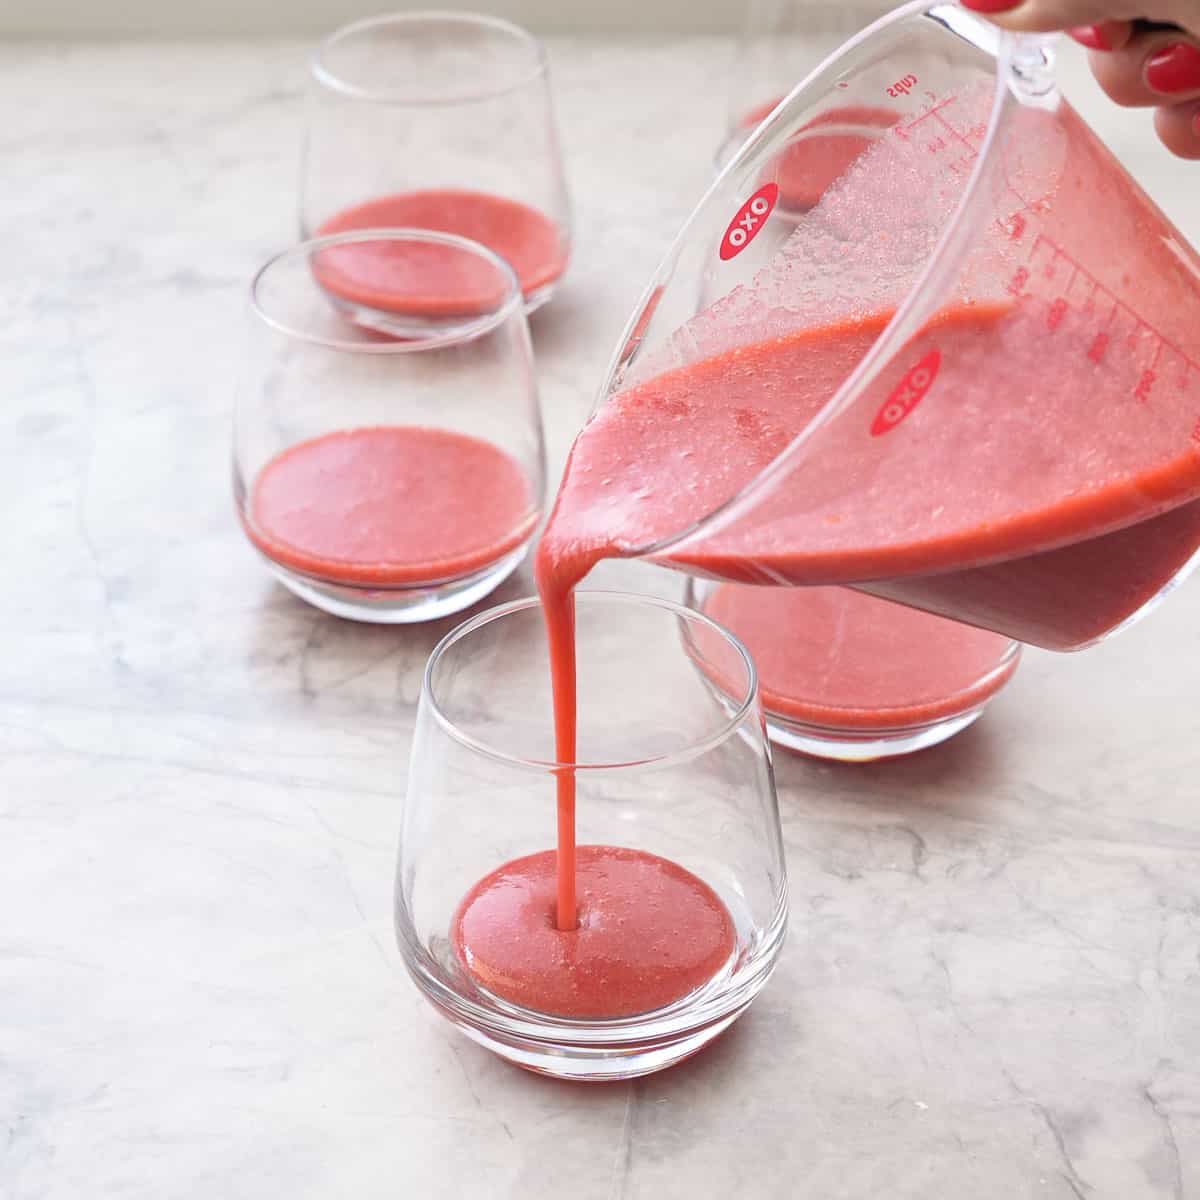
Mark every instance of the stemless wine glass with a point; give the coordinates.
(388, 479)
(776, 47)
(672, 775)
(439, 120)
(851, 677)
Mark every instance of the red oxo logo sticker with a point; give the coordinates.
(748, 220)
(907, 394)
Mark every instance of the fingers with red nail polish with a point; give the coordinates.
(1151, 66)
(1144, 53)
(1108, 17)
(1178, 127)
(1091, 36)
(1174, 69)
(990, 6)
(1160, 68)
(1104, 35)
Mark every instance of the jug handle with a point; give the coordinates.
(1029, 65)
(1030, 59)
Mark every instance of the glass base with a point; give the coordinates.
(397, 605)
(858, 746)
(598, 1064)
(597, 1051)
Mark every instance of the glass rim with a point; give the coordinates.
(331, 79)
(453, 334)
(695, 748)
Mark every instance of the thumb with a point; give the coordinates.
(1047, 16)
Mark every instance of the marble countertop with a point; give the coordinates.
(992, 984)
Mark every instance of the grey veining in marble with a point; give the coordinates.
(992, 984)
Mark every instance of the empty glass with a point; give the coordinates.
(388, 479)
(438, 120)
(674, 778)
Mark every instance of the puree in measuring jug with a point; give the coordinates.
(433, 280)
(665, 453)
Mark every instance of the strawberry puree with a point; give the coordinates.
(648, 933)
(432, 280)
(390, 505)
(835, 657)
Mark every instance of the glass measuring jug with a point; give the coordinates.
(923, 336)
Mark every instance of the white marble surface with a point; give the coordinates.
(992, 985)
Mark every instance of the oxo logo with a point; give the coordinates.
(748, 220)
(907, 394)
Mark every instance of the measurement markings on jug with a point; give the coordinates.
(902, 86)
(1052, 274)
(946, 133)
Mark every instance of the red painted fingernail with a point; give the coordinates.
(1091, 36)
(1196, 124)
(990, 6)
(1174, 69)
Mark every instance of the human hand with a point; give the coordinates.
(1144, 53)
